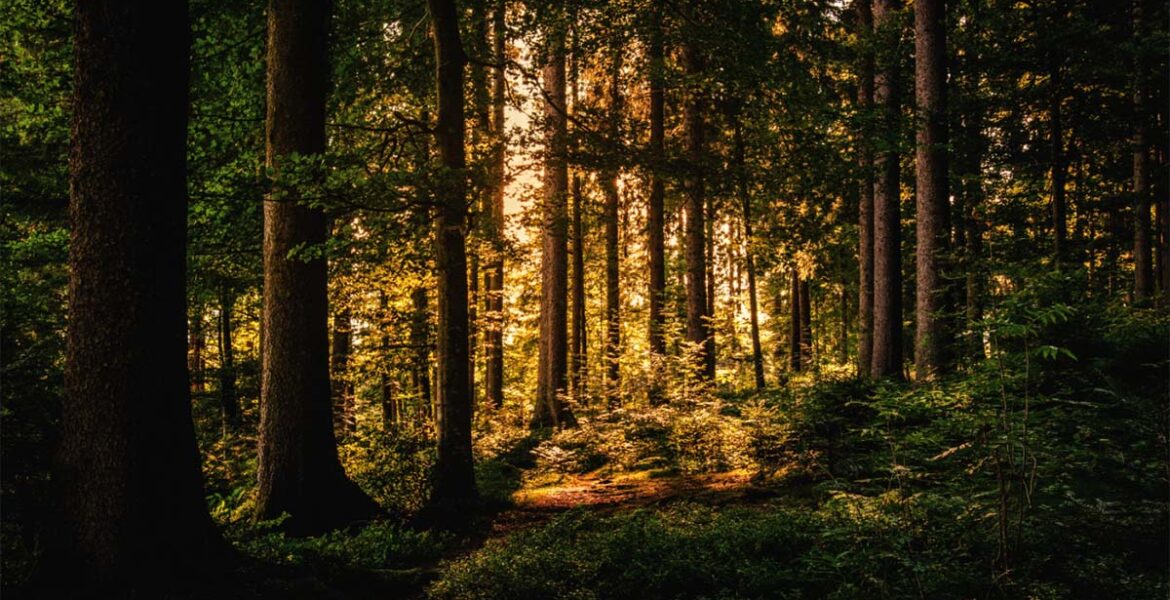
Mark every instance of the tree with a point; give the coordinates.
(931, 337)
(613, 297)
(550, 411)
(795, 324)
(299, 472)
(494, 276)
(1143, 271)
(655, 220)
(746, 204)
(132, 513)
(887, 262)
(229, 403)
(699, 332)
(865, 214)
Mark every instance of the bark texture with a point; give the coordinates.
(127, 479)
(494, 276)
(655, 219)
(613, 295)
(699, 332)
(887, 236)
(865, 202)
(299, 472)
(746, 204)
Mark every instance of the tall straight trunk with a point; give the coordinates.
(342, 388)
(299, 472)
(128, 490)
(887, 259)
(550, 410)
(389, 400)
(494, 280)
(865, 214)
(613, 325)
(932, 335)
(1143, 271)
(454, 474)
(198, 344)
(420, 342)
(479, 221)
(795, 322)
(579, 342)
(1057, 164)
(655, 220)
(228, 401)
(698, 317)
(710, 261)
(973, 236)
(746, 204)
(806, 337)
(1162, 238)
(843, 333)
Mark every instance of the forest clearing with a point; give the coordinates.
(585, 300)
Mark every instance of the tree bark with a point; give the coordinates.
(746, 203)
(796, 320)
(1058, 167)
(865, 211)
(932, 336)
(133, 520)
(342, 388)
(655, 219)
(609, 177)
(806, 337)
(198, 343)
(699, 333)
(580, 364)
(299, 472)
(1143, 270)
(550, 410)
(887, 267)
(228, 401)
(494, 284)
(420, 341)
(454, 474)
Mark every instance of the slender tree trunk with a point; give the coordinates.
(1143, 271)
(746, 203)
(887, 236)
(655, 220)
(796, 320)
(342, 388)
(932, 336)
(454, 474)
(389, 401)
(299, 472)
(865, 211)
(843, 334)
(613, 296)
(579, 340)
(806, 337)
(494, 334)
(550, 411)
(698, 318)
(1058, 166)
(198, 345)
(228, 401)
(420, 341)
(132, 517)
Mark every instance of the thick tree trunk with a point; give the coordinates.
(228, 401)
(613, 324)
(299, 472)
(550, 410)
(655, 219)
(795, 324)
(454, 474)
(887, 236)
(932, 335)
(698, 318)
(342, 388)
(129, 493)
(865, 214)
(494, 280)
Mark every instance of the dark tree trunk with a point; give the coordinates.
(389, 401)
(579, 340)
(494, 280)
(198, 345)
(454, 474)
(932, 335)
(228, 401)
(887, 259)
(795, 322)
(698, 318)
(806, 337)
(1057, 165)
(655, 220)
(549, 410)
(843, 333)
(865, 224)
(420, 341)
(299, 472)
(1143, 270)
(746, 204)
(342, 388)
(129, 493)
(613, 325)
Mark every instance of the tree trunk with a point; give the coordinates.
(299, 472)
(133, 519)
(932, 336)
(796, 320)
(887, 263)
(342, 388)
(198, 345)
(655, 219)
(865, 216)
(609, 177)
(454, 474)
(698, 318)
(746, 202)
(1143, 271)
(806, 337)
(550, 411)
(228, 401)
(579, 338)
(420, 341)
(494, 284)
(1057, 165)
